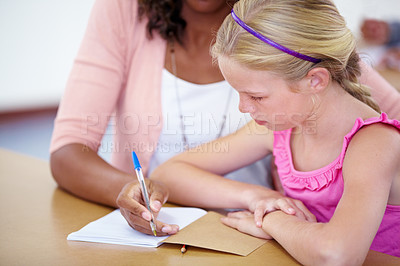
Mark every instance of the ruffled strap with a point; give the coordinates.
(282, 153)
(313, 183)
(358, 125)
(320, 178)
(292, 179)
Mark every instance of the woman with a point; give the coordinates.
(119, 74)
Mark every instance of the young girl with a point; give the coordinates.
(294, 65)
(145, 66)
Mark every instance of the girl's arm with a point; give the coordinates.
(347, 237)
(195, 176)
(384, 94)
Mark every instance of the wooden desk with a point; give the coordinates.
(36, 218)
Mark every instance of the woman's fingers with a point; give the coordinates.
(135, 222)
(130, 201)
(158, 195)
(143, 226)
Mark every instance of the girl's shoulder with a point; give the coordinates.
(374, 127)
(380, 134)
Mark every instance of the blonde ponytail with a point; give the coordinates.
(311, 27)
(348, 79)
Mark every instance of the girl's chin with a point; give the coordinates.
(273, 127)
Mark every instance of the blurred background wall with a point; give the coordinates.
(39, 41)
(40, 38)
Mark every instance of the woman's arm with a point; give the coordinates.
(90, 98)
(79, 170)
(346, 238)
(387, 97)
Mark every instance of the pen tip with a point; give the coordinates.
(153, 227)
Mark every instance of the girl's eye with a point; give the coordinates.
(257, 99)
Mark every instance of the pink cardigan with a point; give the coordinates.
(117, 73)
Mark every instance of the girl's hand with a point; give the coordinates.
(134, 210)
(244, 222)
(287, 205)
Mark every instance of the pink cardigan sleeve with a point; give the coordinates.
(96, 78)
(387, 97)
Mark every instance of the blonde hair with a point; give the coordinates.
(311, 27)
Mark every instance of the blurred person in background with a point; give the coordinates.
(380, 32)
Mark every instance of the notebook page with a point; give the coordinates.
(114, 229)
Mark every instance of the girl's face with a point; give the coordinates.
(267, 97)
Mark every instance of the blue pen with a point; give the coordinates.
(139, 174)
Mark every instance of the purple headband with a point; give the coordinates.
(272, 43)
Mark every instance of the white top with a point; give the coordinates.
(203, 108)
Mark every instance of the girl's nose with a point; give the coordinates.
(244, 105)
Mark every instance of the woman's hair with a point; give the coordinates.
(311, 27)
(164, 17)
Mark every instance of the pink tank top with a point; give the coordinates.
(321, 189)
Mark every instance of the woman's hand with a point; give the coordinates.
(285, 204)
(243, 221)
(132, 206)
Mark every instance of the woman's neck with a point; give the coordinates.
(193, 60)
(202, 26)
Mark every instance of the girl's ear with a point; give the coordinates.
(319, 78)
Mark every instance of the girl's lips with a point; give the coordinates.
(260, 122)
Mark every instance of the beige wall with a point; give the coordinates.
(355, 10)
(38, 42)
(40, 38)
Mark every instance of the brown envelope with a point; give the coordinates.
(208, 232)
